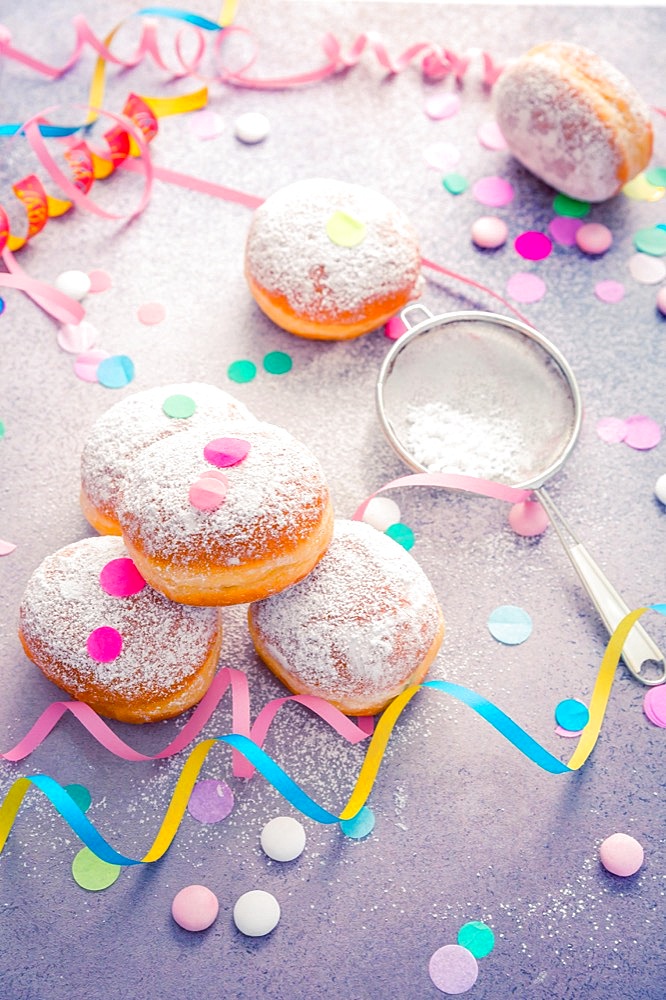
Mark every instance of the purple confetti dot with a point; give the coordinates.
(210, 801)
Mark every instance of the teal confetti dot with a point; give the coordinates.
(510, 625)
(572, 715)
(2, 430)
(242, 371)
(277, 363)
(564, 205)
(477, 937)
(80, 795)
(179, 407)
(360, 825)
(656, 176)
(115, 372)
(402, 534)
(455, 183)
(651, 241)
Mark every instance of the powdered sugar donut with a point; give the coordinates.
(329, 260)
(95, 629)
(359, 629)
(227, 520)
(137, 422)
(573, 120)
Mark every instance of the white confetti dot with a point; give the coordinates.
(252, 127)
(256, 913)
(76, 284)
(283, 838)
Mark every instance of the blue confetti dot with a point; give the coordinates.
(572, 715)
(510, 625)
(360, 825)
(115, 372)
(2, 306)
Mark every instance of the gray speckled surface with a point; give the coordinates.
(465, 827)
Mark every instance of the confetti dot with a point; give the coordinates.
(477, 937)
(647, 270)
(455, 183)
(651, 241)
(640, 189)
(656, 176)
(394, 328)
(442, 106)
(115, 372)
(381, 513)
(609, 291)
(563, 229)
(489, 232)
(256, 913)
(344, 230)
(594, 238)
(493, 191)
(526, 287)
(80, 795)
(121, 578)
(76, 284)
(211, 801)
(277, 363)
(453, 969)
(179, 407)
(654, 702)
(2, 306)
(661, 300)
(208, 494)
(510, 625)
(100, 281)
(104, 644)
(572, 714)
(359, 826)
(402, 534)
(151, 313)
(205, 124)
(621, 854)
(2, 429)
(612, 430)
(226, 452)
(642, 433)
(87, 363)
(241, 371)
(533, 246)
(90, 872)
(490, 136)
(283, 838)
(442, 156)
(75, 338)
(660, 489)
(195, 908)
(564, 205)
(6, 548)
(528, 518)
(252, 127)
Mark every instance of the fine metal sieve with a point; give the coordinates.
(480, 394)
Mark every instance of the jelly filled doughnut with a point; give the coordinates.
(573, 120)
(329, 260)
(359, 629)
(136, 422)
(94, 628)
(225, 520)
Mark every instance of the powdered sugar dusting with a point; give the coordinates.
(359, 624)
(289, 252)
(163, 644)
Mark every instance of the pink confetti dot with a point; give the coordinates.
(526, 287)
(86, 364)
(195, 908)
(528, 518)
(490, 136)
(533, 246)
(654, 705)
(6, 548)
(453, 969)
(609, 291)
(661, 300)
(621, 854)
(121, 578)
(104, 644)
(594, 238)
(442, 156)
(394, 328)
(99, 280)
(493, 191)
(151, 313)
(642, 433)
(75, 338)
(225, 452)
(441, 106)
(488, 232)
(612, 430)
(205, 124)
(563, 229)
(208, 493)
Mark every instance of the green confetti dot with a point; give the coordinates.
(80, 795)
(656, 176)
(477, 937)
(651, 240)
(242, 371)
(401, 534)
(277, 363)
(90, 872)
(179, 407)
(564, 205)
(345, 230)
(455, 183)
(2, 429)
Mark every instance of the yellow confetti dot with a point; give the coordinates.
(640, 189)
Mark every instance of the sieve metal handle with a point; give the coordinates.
(638, 646)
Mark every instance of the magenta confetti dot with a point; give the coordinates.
(151, 313)
(526, 287)
(394, 328)
(532, 245)
(609, 291)
(210, 801)
(654, 705)
(490, 136)
(104, 644)
(225, 452)
(209, 493)
(453, 969)
(86, 365)
(642, 433)
(121, 578)
(99, 280)
(612, 430)
(563, 229)
(494, 191)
